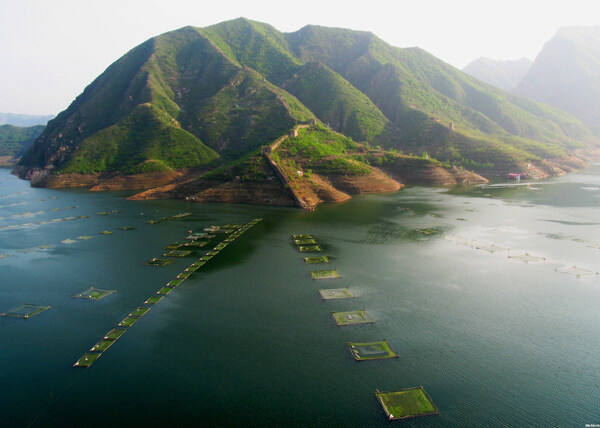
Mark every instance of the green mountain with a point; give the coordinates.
(14, 141)
(505, 75)
(212, 99)
(566, 74)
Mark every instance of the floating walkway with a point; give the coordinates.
(233, 232)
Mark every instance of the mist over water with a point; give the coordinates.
(247, 340)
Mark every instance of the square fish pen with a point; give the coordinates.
(152, 300)
(527, 258)
(318, 259)
(304, 236)
(336, 293)
(305, 242)
(407, 403)
(380, 350)
(309, 248)
(577, 271)
(177, 253)
(94, 294)
(352, 318)
(159, 262)
(324, 274)
(25, 311)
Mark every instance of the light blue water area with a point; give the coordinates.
(247, 340)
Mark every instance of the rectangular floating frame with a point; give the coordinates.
(407, 403)
(324, 274)
(25, 311)
(317, 259)
(305, 236)
(363, 351)
(94, 294)
(309, 248)
(159, 262)
(128, 322)
(114, 334)
(352, 318)
(153, 300)
(139, 312)
(336, 293)
(177, 253)
(102, 346)
(86, 360)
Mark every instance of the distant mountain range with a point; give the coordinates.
(502, 74)
(565, 74)
(23, 119)
(201, 108)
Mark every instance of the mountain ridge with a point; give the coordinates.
(202, 98)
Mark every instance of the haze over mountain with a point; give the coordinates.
(212, 97)
(502, 74)
(566, 73)
(23, 119)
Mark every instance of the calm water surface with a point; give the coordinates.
(246, 341)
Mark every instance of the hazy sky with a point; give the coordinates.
(50, 50)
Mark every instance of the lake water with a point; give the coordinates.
(247, 341)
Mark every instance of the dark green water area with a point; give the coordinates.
(246, 340)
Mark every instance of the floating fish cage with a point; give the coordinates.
(25, 311)
(159, 262)
(318, 259)
(324, 274)
(177, 253)
(407, 403)
(352, 318)
(94, 293)
(379, 350)
(309, 248)
(335, 293)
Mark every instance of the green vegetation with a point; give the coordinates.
(14, 140)
(143, 141)
(323, 151)
(324, 274)
(335, 293)
(336, 102)
(164, 290)
(407, 403)
(371, 350)
(352, 317)
(211, 98)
